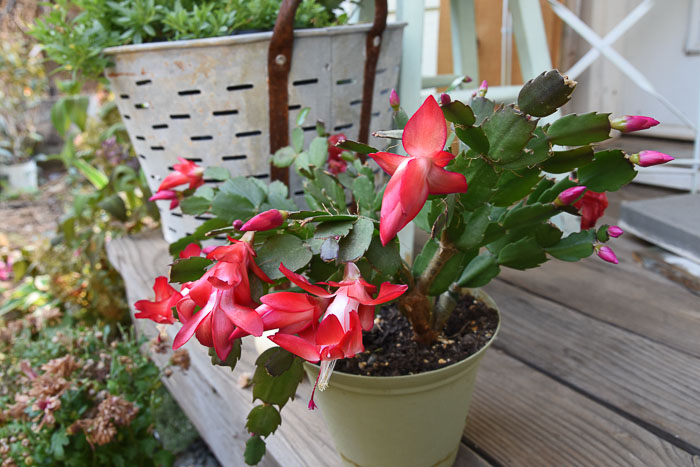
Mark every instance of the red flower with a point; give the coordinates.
(173, 196)
(339, 334)
(592, 207)
(159, 310)
(420, 174)
(336, 164)
(185, 172)
(190, 250)
(223, 294)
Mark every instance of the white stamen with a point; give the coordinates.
(325, 375)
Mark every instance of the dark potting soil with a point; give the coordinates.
(391, 351)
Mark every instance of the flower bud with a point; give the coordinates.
(173, 196)
(445, 99)
(614, 231)
(481, 92)
(237, 224)
(630, 123)
(394, 100)
(649, 158)
(569, 195)
(606, 254)
(267, 220)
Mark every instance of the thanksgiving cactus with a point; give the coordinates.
(486, 207)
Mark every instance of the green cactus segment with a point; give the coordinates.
(469, 233)
(450, 272)
(459, 113)
(551, 193)
(521, 216)
(544, 94)
(576, 130)
(566, 161)
(602, 234)
(514, 186)
(481, 179)
(575, 247)
(540, 188)
(537, 151)
(479, 271)
(508, 131)
(483, 108)
(609, 171)
(547, 235)
(524, 254)
(475, 138)
(421, 262)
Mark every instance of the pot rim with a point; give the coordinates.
(243, 38)
(417, 382)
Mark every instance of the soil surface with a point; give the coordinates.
(391, 351)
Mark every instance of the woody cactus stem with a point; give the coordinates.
(425, 316)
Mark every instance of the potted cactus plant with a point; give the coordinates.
(193, 79)
(391, 346)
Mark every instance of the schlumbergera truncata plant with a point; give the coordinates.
(314, 276)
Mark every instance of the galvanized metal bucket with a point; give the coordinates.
(207, 99)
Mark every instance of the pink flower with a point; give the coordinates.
(159, 310)
(339, 334)
(569, 195)
(190, 250)
(445, 99)
(614, 231)
(606, 254)
(592, 207)
(267, 220)
(394, 100)
(223, 294)
(336, 164)
(173, 196)
(630, 123)
(420, 174)
(649, 158)
(185, 172)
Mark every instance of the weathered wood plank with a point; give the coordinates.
(522, 417)
(652, 382)
(625, 295)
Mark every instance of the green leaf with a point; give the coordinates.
(254, 450)
(189, 269)
(576, 130)
(542, 186)
(298, 139)
(385, 259)
(481, 179)
(354, 146)
(216, 173)
(276, 390)
(474, 137)
(356, 243)
(95, 176)
(363, 190)
(76, 108)
(566, 161)
(450, 272)
(457, 112)
(263, 420)
(232, 358)
(421, 262)
(457, 82)
(284, 157)
(551, 193)
(59, 117)
(537, 150)
(544, 94)
(246, 188)
(301, 116)
(114, 205)
(329, 249)
(59, 439)
(198, 235)
(508, 131)
(483, 108)
(333, 229)
(230, 207)
(318, 152)
(602, 234)
(427, 215)
(204, 191)
(609, 171)
(515, 185)
(390, 134)
(574, 247)
(547, 235)
(194, 205)
(524, 254)
(479, 271)
(286, 249)
(531, 214)
(473, 228)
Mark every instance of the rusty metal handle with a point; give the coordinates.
(279, 62)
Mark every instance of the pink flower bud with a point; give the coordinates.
(649, 158)
(265, 221)
(394, 100)
(606, 254)
(630, 123)
(614, 231)
(237, 224)
(481, 92)
(569, 195)
(171, 195)
(445, 99)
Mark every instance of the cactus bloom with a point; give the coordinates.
(420, 174)
(606, 254)
(184, 172)
(173, 196)
(394, 100)
(267, 220)
(630, 123)
(649, 158)
(336, 164)
(614, 231)
(569, 195)
(592, 207)
(160, 309)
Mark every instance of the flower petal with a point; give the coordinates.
(186, 332)
(221, 329)
(241, 316)
(287, 301)
(330, 331)
(388, 161)
(387, 292)
(442, 158)
(304, 283)
(426, 132)
(297, 346)
(441, 182)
